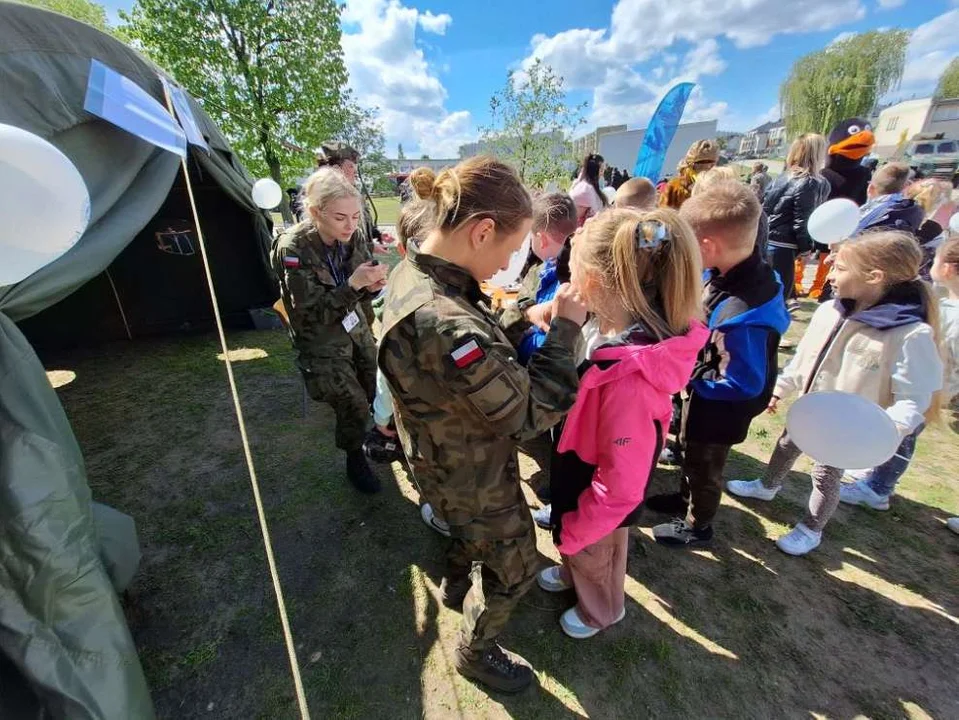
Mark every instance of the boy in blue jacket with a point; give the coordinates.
(526, 322)
(736, 371)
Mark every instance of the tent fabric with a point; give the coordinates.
(61, 625)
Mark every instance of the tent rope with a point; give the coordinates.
(268, 545)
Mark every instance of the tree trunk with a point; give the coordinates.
(273, 163)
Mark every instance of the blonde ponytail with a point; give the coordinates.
(650, 263)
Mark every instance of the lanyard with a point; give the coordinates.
(336, 268)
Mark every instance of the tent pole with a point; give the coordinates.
(261, 513)
(123, 315)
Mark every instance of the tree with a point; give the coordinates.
(83, 10)
(532, 126)
(948, 86)
(270, 72)
(400, 155)
(363, 133)
(424, 156)
(842, 80)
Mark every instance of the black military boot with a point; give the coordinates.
(495, 668)
(359, 473)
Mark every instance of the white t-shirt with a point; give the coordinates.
(585, 196)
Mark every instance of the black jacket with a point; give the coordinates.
(788, 203)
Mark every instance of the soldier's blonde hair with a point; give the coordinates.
(478, 188)
(421, 182)
(325, 186)
(897, 255)
(660, 286)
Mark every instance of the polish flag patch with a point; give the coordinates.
(467, 354)
(290, 261)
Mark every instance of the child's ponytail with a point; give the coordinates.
(650, 262)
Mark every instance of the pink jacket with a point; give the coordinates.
(612, 426)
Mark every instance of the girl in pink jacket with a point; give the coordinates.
(641, 275)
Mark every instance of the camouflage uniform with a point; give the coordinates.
(339, 367)
(462, 403)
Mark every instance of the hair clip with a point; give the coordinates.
(650, 234)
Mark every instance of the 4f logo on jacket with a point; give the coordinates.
(622, 441)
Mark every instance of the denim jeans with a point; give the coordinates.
(883, 478)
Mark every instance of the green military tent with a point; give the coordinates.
(136, 271)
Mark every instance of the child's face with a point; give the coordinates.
(848, 283)
(942, 272)
(545, 246)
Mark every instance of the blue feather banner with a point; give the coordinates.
(660, 132)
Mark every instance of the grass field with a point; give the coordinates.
(387, 209)
(866, 626)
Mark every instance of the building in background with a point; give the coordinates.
(589, 143)
(903, 121)
(406, 165)
(765, 140)
(620, 148)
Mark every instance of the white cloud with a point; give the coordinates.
(683, 37)
(887, 4)
(843, 36)
(435, 23)
(932, 46)
(388, 70)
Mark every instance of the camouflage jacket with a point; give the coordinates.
(317, 295)
(462, 400)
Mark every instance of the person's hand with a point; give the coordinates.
(540, 315)
(568, 304)
(376, 287)
(367, 274)
(380, 249)
(773, 406)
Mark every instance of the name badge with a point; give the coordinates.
(351, 321)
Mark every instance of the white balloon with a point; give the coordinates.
(842, 430)
(954, 223)
(44, 204)
(833, 221)
(510, 276)
(267, 194)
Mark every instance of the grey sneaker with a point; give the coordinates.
(680, 533)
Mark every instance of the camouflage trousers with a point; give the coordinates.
(348, 386)
(502, 572)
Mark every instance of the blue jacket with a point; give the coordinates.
(548, 285)
(736, 370)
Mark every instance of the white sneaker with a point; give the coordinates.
(953, 524)
(799, 541)
(574, 627)
(433, 522)
(859, 493)
(751, 489)
(550, 580)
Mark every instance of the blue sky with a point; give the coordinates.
(430, 66)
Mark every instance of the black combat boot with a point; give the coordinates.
(359, 473)
(495, 668)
